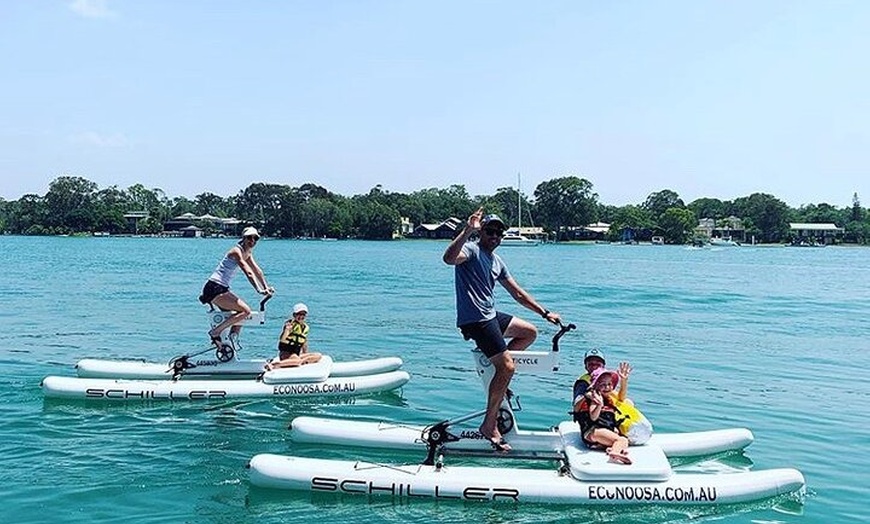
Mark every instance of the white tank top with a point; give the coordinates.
(225, 271)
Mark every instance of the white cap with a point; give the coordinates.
(251, 232)
(299, 308)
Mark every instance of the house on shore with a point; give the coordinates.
(730, 228)
(594, 231)
(182, 223)
(133, 218)
(405, 228)
(444, 230)
(822, 234)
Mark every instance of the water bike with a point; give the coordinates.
(223, 375)
(581, 475)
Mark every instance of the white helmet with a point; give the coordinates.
(300, 307)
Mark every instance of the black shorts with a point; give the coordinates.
(210, 290)
(488, 334)
(285, 350)
(606, 420)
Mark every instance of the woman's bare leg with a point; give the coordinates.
(230, 302)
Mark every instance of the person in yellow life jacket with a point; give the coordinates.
(293, 342)
(592, 360)
(629, 421)
(597, 417)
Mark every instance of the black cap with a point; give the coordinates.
(492, 219)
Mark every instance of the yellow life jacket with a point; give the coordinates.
(296, 335)
(631, 422)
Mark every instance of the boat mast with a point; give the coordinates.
(519, 208)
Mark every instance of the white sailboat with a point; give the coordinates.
(514, 237)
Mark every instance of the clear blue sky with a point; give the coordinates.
(707, 98)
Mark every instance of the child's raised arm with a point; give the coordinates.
(623, 371)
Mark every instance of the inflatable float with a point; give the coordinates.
(580, 475)
(309, 380)
(218, 373)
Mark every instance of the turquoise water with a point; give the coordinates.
(774, 339)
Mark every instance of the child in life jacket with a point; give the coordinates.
(592, 360)
(597, 416)
(293, 342)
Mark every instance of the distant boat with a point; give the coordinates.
(658, 241)
(805, 243)
(724, 242)
(514, 238)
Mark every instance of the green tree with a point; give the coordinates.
(309, 191)
(141, 198)
(677, 224)
(857, 212)
(629, 217)
(709, 208)
(857, 232)
(766, 214)
(373, 220)
(316, 216)
(211, 204)
(566, 201)
(607, 213)
(181, 205)
(659, 202)
(110, 204)
(4, 215)
(341, 223)
(28, 212)
(269, 206)
(822, 213)
(70, 203)
(508, 202)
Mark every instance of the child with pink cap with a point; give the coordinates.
(598, 416)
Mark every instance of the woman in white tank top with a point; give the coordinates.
(217, 289)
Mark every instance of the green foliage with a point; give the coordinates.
(75, 205)
(629, 217)
(564, 202)
(374, 220)
(710, 208)
(70, 204)
(857, 214)
(677, 224)
(822, 213)
(657, 203)
(858, 232)
(769, 215)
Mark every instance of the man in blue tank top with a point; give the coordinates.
(477, 268)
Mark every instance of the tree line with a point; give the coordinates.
(77, 205)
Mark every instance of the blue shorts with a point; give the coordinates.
(488, 334)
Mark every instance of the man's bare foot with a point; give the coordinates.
(499, 444)
(495, 439)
